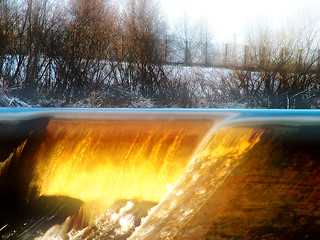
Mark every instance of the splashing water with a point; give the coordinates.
(101, 162)
(170, 179)
(211, 165)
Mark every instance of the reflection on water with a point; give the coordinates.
(217, 157)
(251, 177)
(104, 161)
(258, 182)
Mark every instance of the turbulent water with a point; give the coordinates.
(114, 160)
(160, 175)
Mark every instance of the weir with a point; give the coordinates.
(194, 174)
(94, 158)
(107, 160)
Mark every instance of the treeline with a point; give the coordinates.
(275, 69)
(49, 49)
(96, 53)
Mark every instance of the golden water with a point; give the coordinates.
(216, 175)
(102, 161)
(216, 158)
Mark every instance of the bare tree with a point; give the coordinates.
(284, 63)
(11, 31)
(191, 41)
(144, 28)
(86, 46)
(36, 19)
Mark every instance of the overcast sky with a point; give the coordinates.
(229, 17)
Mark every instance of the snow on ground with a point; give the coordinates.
(8, 101)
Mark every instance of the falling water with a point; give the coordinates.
(255, 176)
(214, 161)
(102, 161)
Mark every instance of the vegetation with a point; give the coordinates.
(94, 53)
(288, 69)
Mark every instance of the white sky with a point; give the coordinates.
(229, 17)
